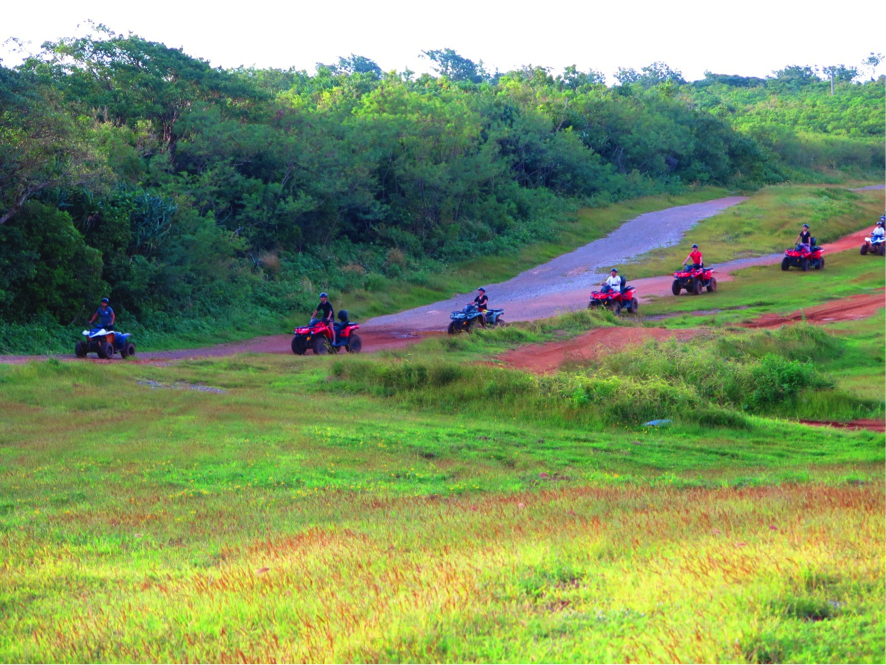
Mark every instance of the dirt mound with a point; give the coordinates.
(845, 309)
(862, 423)
(545, 358)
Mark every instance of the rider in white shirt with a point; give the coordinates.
(878, 231)
(612, 282)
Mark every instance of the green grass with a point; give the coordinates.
(768, 223)
(284, 516)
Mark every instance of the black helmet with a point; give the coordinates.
(482, 289)
(343, 315)
(806, 226)
(324, 295)
(105, 300)
(695, 247)
(614, 270)
(880, 223)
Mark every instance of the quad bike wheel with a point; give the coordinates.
(713, 285)
(452, 329)
(804, 265)
(864, 249)
(130, 349)
(697, 287)
(501, 323)
(615, 308)
(80, 349)
(355, 344)
(299, 345)
(473, 324)
(675, 287)
(785, 263)
(594, 304)
(101, 349)
(634, 306)
(123, 352)
(108, 350)
(321, 346)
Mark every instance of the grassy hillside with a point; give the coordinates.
(265, 507)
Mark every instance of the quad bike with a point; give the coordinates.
(694, 280)
(804, 257)
(105, 343)
(616, 300)
(874, 245)
(318, 336)
(469, 317)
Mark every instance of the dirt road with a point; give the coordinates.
(563, 283)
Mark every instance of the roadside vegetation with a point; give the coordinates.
(211, 204)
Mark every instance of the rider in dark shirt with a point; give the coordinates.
(480, 302)
(324, 313)
(805, 238)
(481, 299)
(105, 315)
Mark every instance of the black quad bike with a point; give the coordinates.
(469, 318)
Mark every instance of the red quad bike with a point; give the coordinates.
(694, 280)
(804, 257)
(615, 300)
(317, 336)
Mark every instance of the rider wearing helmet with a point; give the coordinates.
(694, 258)
(105, 315)
(805, 238)
(480, 303)
(879, 230)
(324, 313)
(612, 282)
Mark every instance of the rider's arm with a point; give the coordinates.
(113, 317)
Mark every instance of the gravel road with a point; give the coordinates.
(553, 286)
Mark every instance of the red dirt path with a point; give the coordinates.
(862, 423)
(845, 309)
(545, 358)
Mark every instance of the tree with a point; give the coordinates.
(41, 145)
(839, 73)
(450, 64)
(355, 64)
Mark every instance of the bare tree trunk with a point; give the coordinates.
(28, 193)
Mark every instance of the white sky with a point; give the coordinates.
(746, 37)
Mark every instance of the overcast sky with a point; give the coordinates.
(750, 38)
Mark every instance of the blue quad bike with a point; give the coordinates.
(469, 318)
(105, 343)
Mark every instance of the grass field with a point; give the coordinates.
(276, 508)
(428, 504)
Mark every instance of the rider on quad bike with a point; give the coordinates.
(105, 315)
(694, 259)
(481, 302)
(804, 238)
(324, 313)
(613, 282)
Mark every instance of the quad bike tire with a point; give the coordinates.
(712, 286)
(697, 287)
(130, 349)
(355, 344)
(123, 351)
(321, 346)
(785, 263)
(106, 350)
(634, 306)
(80, 349)
(473, 324)
(299, 346)
(593, 304)
(864, 249)
(101, 350)
(615, 308)
(501, 323)
(675, 287)
(804, 265)
(452, 329)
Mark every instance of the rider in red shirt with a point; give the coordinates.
(694, 257)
